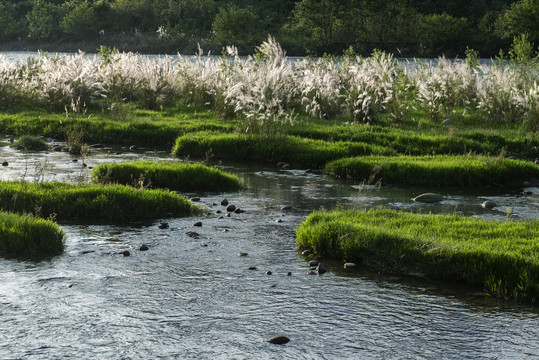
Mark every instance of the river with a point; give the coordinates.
(189, 298)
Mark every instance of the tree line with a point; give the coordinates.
(407, 27)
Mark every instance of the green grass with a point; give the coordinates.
(456, 170)
(92, 202)
(30, 143)
(171, 175)
(296, 151)
(29, 237)
(158, 129)
(500, 257)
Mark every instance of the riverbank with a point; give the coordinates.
(497, 257)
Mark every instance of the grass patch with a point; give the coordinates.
(170, 175)
(456, 170)
(30, 143)
(500, 257)
(92, 202)
(294, 150)
(29, 237)
(156, 129)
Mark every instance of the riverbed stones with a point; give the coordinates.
(230, 208)
(489, 205)
(268, 272)
(198, 224)
(289, 274)
(163, 225)
(126, 253)
(252, 268)
(279, 340)
(193, 234)
(313, 263)
(144, 247)
(321, 269)
(224, 202)
(429, 198)
(349, 265)
(311, 272)
(5, 163)
(239, 211)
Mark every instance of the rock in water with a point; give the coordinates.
(321, 269)
(198, 224)
(224, 202)
(143, 247)
(5, 163)
(429, 198)
(279, 340)
(313, 263)
(231, 208)
(163, 225)
(488, 205)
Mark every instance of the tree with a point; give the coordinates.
(237, 26)
(43, 20)
(444, 34)
(79, 20)
(191, 16)
(521, 18)
(8, 25)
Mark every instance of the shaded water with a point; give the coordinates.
(195, 298)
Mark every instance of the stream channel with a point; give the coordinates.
(189, 298)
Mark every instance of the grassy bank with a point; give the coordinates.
(499, 257)
(29, 237)
(454, 170)
(296, 151)
(92, 202)
(125, 125)
(170, 175)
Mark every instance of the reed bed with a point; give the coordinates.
(293, 150)
(265, 91)
(177, 176)
(498, 257)
(92, 202)
(451, 170)
(27, 236)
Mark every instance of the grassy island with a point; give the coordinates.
(500, 257)
(29, 237)
(451, 170)
(171, 175)
(92, 202)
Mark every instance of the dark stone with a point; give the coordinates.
(488, 205)
(5, 163)
(286, 208)
(252, 267)
(268, 272)
(289, 274)
(239, 211)
(204, 245)
(84, 164)
(218, 212)
(195, 199)
(198, 224)
(119, 153)
(163, 225)
(230, 208)
(242, 254)
(313, 263)
(75, 160)
(279, 340)
(311, 272)
(88, 251)
(312, 267)
(279, 220)
(193, 234)
(321, 269)
(227, 214)
(143, 247)
(126, 253)
(224, 202)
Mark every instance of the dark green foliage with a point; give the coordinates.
(30, 143)
(464, 170)
(171, 175)
(29, 237)
(92, 202)
(499, 257)
(296, 151)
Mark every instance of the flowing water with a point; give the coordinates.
(190, 298)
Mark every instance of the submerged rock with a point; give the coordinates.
(489, 205)
(429, 198)
(279, 340)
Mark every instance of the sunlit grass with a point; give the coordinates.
(500, 257)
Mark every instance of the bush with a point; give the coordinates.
(30, 143)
